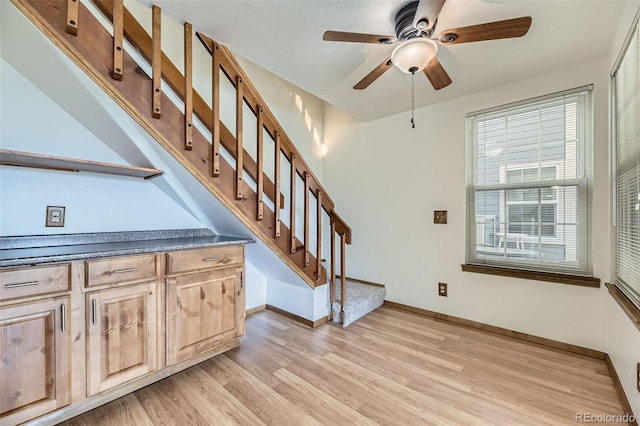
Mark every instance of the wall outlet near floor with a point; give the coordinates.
(55, 216)
(442, 289)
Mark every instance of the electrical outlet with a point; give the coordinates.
(55, 216)
(440, 216)
(442, 289)
(638, 376)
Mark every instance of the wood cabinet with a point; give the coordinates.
(122, 329)
(78, 334)
(204, 310)
(35, 349)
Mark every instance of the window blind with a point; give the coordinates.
(529, 176)
(626, 105)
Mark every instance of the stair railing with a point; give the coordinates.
(126, 26)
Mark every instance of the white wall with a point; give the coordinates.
(623, 338)
(256, 290)
(94, 202)
(304, 302)
(387, 180)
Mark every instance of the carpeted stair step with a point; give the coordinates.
(361, 299)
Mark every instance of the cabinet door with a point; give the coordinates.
(35, 349)
(203, 311)
(122, 324)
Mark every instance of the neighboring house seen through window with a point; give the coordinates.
(529, 179)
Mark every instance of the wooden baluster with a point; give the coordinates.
(306, 218)
(118, 40)
(239, 144)
(343, 276)
(156, 63)
(188, 86)
(276, 195)
(292, 203)
(215, 132)
(72, 17)
(260, 164)
(319, 235)
(332, 280)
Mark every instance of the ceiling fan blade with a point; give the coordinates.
(358, 37)
(373, 75)
(429, 10)
(437, 75)
(509, 28)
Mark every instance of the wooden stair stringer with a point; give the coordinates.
(91, 52)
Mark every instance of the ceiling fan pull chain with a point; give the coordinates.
(413, 78)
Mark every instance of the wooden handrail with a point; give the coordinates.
(232, 70)
(341, 226)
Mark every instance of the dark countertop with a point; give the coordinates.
(33, 250)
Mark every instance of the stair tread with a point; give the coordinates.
(361, 299)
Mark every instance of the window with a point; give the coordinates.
(529, 184)
(626, 104)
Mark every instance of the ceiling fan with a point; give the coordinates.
(415, 25)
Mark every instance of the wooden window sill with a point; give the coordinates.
(534, 275)
(627, 305)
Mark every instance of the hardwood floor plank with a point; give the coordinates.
(214, 402)
(316, 403)
(399, 395)
(390, 367)
(166, 406)
(263, 401)
(123, 411)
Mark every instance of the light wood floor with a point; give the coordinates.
(391, 367)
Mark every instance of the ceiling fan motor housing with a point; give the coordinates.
(404, 22)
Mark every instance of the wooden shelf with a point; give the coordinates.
(50, 162)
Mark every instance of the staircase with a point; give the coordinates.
(192, 132)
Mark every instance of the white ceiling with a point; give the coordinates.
(285, 37)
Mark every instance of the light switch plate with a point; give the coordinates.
(55, 216)
(440, 216)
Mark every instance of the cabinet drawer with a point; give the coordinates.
(193, 260)
(32, 281)
(120, 269)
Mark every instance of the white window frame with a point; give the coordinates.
(582, 265)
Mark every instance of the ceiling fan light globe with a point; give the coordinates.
(414, 53)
